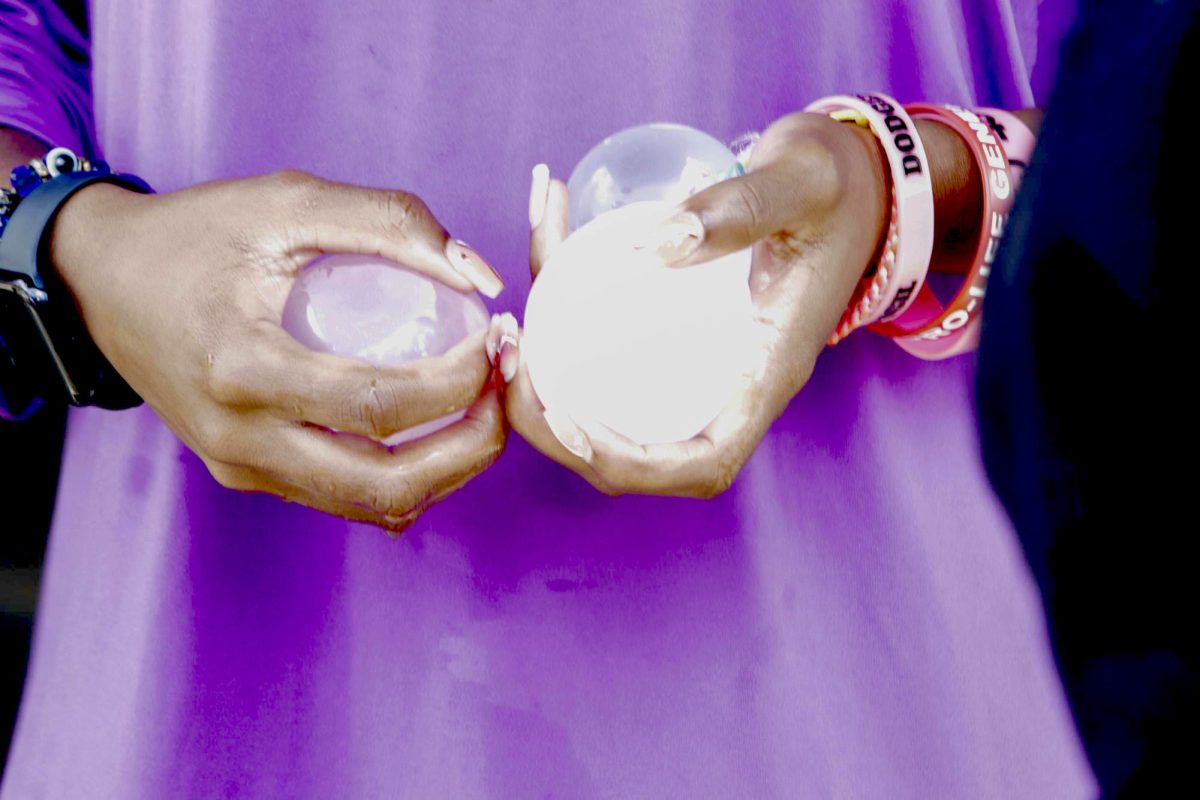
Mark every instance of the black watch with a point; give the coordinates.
(46, 354)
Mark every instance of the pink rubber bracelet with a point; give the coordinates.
(929, 330)
(909, 246)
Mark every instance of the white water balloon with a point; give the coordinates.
(614, 336)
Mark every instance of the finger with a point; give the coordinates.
(508, 357)
(791, 179)
(728, 217)
(492, 342)
(690, 468)
(610, 462)
(703, 466)
(251, 481)
(551, 228)
(340, 218)
(502, 336)
(275, 372)
(387, 482)
(539, 187)
(525, 413)
(527, 417)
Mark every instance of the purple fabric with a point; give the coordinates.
(44, 80)
(852, 619)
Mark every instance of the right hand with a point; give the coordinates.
(813, 208)
(184, 293)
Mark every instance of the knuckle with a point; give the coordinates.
(784, 130)
(447, 394)
(401, 210)
(489, 452)
(724, 473)
(225, 380)
(750, 204)
(222, 443)
(289, 178)
(788, 247)
(203, 435)
(227, 475)
(397, 497)
(376, 405)
(613, 486)
(294, 194)
(487, 429)
(396, 526)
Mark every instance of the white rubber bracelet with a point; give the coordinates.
(913, 192)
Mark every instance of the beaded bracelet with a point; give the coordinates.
(27, 177)
(890, 289)
(928, 329)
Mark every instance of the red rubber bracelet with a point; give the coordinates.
(1016, 137)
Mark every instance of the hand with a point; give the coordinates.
(184, 293)
(813, 208)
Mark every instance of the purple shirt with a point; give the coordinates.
(852, 619)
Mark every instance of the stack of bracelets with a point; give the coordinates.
(894, 298)
(46, 354)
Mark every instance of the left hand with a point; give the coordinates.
(813, 207)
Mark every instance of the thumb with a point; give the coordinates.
(790, 183)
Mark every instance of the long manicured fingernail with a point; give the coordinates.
(677, 238)
(569, 434)
(471, 266)
(492, 341)
(539, 190)
(509, 354)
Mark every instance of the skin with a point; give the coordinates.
(183, 293)
(812, 206)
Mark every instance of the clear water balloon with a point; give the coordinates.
(661, 162)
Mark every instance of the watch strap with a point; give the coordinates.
(87, 377)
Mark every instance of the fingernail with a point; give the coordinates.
(539, 191)
(471, 266)
(678, 237)
(492, 341)
(509, 352)
(569, 434)
(510, 359)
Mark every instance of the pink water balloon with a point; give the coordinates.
(378, 311)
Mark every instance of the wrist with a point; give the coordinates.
(50, 349)
(957, 197)
(84, 231)
(957, 191)
(859, 186)
(872, 189)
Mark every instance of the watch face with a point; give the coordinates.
(24, 357)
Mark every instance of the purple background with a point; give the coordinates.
(853, 619)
